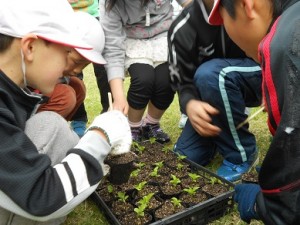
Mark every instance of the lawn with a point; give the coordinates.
(87, 213)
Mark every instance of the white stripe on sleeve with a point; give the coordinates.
(79, 172)
(65, 180)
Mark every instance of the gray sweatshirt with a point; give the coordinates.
(128, 18)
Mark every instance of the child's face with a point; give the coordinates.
(249, 26)
(46, 66)
(76, 63)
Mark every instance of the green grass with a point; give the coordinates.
(87, 213)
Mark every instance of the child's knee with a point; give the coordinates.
(49, 132)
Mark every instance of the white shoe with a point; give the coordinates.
(182, 121)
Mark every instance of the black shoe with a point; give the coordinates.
(136, 133)
(154, 131)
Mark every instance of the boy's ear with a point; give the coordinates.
(249, 7)
(27, 44)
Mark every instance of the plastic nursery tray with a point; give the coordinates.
(199, 214)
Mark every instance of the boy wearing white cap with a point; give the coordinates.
(80, 118)
(69, 94)
(44, 170)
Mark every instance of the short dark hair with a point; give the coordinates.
(5, 42)
(229, 5)
(277, 7)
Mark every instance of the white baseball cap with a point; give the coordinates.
(92, 33)
(50, 20)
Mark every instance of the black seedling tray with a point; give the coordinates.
(199, 214)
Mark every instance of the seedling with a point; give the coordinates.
(140, 186)
(140, 210)
(154, 172)
(175, 180)
(191, 190)
(146, 199)
(142, 204)
(159, 164)
(166, 149)
(140, 165)
(135, 173)
(139, 147)
(152, 140)
(179, 166)
(122, 196)
(214, 180)
(110, 188)
(194, 176)
(181, 157)
(176, 202)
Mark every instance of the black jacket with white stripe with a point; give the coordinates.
(29, 185)
(192, 41)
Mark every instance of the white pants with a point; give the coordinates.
(53, 136)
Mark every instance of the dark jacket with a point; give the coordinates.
(279, 178)
(27, 178)
(192, 41)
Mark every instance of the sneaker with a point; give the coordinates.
(182, 121)
(136, 133)
(79, 127)
(154, 131)
(233, 172)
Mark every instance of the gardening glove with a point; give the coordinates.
(245, 196)
(116, 128)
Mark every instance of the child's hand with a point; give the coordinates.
(200, 115)
(245, 196)
(116, 128)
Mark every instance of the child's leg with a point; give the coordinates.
(61, 101)
(162, 95)
(139, 93)
(231, 85)
(141, 86)
(80, 91)
(51, 134)
(197, 148)
(103, 85)
(160, 99)
(79, 118)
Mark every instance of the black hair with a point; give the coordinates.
(229, 5)
(5, 42)
(109, 4)
(277, 7)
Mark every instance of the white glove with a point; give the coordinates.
(117, 130)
